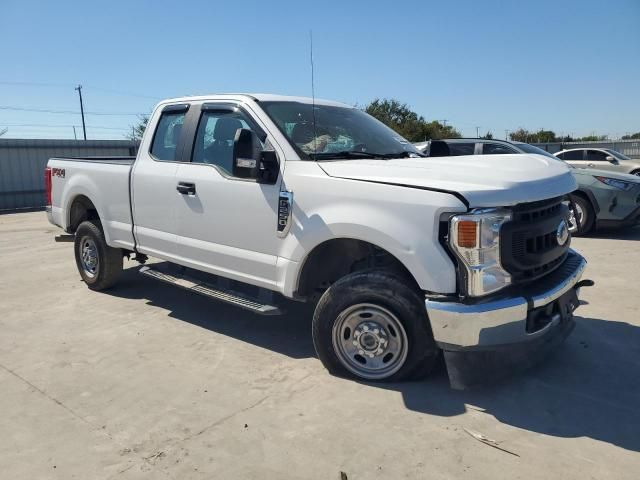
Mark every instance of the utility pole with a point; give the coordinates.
(75, 137)
(477, 132)
(506, 134)
(444, 122)
(84, 128)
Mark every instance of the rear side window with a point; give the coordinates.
(456, 148)
(497, 149)
(167, 136)
(572, 155)
(596, 155)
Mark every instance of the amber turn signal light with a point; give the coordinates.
(467, 234)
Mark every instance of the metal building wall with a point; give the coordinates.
(631, 148)
(22, 163)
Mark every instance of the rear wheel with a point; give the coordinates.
(371, 325)
(581, 216)
(99, 264)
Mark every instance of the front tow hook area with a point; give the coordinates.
(547, 327)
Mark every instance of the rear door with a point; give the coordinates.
(153, 185)
(226, 225)
(575, 158)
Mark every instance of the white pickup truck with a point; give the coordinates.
(248, 198)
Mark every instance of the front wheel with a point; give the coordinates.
(371, 325)
(99, 264)
(581, 216)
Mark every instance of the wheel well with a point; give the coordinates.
(81, 209)
(584, 196)
(333, 259)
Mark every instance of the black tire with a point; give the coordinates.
(636, 173)
(109, 260)
(585, 224)
(390, 293)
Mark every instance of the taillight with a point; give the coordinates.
(47, 185)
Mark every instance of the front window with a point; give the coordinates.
(326, 132)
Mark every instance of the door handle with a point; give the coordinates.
(590, 165)
(186, 188)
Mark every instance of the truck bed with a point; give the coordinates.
(104, 180)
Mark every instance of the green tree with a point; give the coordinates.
(633, 136)
(488, 135)
(138, 129)
(541, 136)
(408, 123)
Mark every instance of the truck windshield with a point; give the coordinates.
(338, 133)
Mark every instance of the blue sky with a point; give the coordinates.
(570, 66)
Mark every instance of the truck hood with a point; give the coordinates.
(483, 180)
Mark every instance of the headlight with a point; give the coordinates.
(475, 239)
(619, 184)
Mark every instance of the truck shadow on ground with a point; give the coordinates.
(590, 387)
(628, 233)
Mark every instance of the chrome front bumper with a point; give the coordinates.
(502, 320)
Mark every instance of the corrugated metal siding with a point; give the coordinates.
(22, 163)
(631, 148)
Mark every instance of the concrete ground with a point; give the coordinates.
(151, 382)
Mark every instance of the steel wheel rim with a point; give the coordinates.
(88, 252)
(575, 223)
(370, 341)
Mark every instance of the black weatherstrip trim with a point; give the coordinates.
(133, 227)
(430, 189)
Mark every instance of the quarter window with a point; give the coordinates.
(214, 140)
(167, 136)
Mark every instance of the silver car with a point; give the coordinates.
(600, 158)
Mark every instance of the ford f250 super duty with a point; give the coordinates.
(248, 198)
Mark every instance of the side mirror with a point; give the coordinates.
(247, 153)
(611, 159)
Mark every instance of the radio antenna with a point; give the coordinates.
(313, 94)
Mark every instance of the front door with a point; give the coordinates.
(226, 225)
(598, 159)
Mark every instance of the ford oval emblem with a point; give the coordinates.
(562, 233)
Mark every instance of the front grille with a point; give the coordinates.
(529, 245)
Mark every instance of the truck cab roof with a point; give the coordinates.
(256, 97)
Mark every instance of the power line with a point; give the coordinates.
(91, 87)
(59, 126)
(67, 112)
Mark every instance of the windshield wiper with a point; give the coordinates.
(344, 154)
(355, 154)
